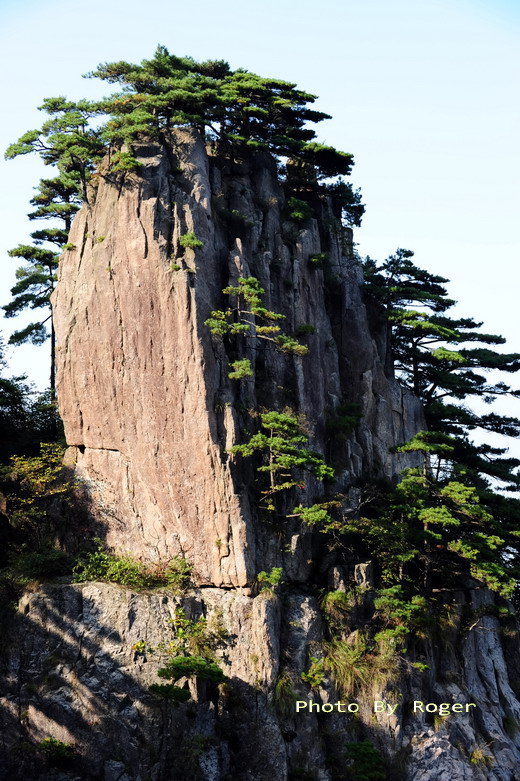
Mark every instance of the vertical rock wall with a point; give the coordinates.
(150, 414)
(143, 387)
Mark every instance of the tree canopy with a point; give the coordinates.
(455, 503)
(237, 110)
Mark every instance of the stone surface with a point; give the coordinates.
(76, 671)
(150, 414)
(143, 387)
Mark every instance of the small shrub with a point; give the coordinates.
(175, 267)
(342, 422)
(42, 564)
(127, 571)
(318, 259)
(423, 668)
(56, 751)
(481, 757)
(284, 696)
(269, 581)
(177, 573)
(367, 762)
(236, 216)
(40, 482)
(337, 606)
(69, 246)
(192, 667)
(298, 210)
(241, 370)
(190, 241)
(99, 239)
(304, 329)
(355, 666)
(170, 692)
(315, 675)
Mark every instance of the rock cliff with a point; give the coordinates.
(150, 414)
(143, 386)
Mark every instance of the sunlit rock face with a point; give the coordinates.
(143, 386)
(150, 415)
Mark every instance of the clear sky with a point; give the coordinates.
(424, 94)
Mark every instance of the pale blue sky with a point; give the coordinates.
(423, 93)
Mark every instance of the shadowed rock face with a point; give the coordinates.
(143, 386)
(79, 667)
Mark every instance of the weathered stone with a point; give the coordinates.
(150, 415)
(143, 386)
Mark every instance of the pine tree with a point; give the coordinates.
(433, 356)
(453, 509)
(237, 110)
(56, 199)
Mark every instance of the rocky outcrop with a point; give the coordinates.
(150, 415)
(143, 386)
(82, 658)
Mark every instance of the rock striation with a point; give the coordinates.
(143, 386)
(150, 415)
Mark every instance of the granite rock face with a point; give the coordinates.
(150, 414)
(81, 659)
(143, 386)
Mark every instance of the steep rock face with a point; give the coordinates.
(82, 658)
(143, 386)
(150, 413)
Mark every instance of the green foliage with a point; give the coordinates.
(318, 259)
(401, 616)
(284, 695)
(194, 636)
(190, 241)
(481, 757)
(320, 515)
(358, 664)
(177, 573)
(191, 654)
(268, 581)
(298, 210)
(281, 446)
(241, 370)
(192, 667)
(304, 329)
(238, 111)
(368, 763)
(45, 563)
(249, 317)
(337, 606)
(315, 675)
(169, 691)
(343, 420)
(127, 571)
(55, 199)
(39, 481)
(436, 523)
(56, 751)
(434, 357)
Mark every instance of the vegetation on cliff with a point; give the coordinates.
(446, 520)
